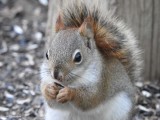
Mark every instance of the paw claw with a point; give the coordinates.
(64, 95)
(51, 92)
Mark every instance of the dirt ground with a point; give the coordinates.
(22, 39)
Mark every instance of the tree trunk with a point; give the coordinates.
(142, 16)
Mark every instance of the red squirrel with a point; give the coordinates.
(90, 63)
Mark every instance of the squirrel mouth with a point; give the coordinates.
(59, 85)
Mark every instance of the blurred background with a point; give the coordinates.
(22, 29)
(23, 25)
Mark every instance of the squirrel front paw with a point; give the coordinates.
(51, 91)
(66, 94)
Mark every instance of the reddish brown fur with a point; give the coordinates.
(103, 39)
(59, 24)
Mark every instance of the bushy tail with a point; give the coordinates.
(111, 35)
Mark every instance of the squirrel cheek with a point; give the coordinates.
(52, 74)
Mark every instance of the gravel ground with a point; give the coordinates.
(22, 28)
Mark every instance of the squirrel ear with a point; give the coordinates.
(86, 30)
(59, 23)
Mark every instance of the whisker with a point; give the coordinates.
(78, 76)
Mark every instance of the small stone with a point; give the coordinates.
(15, 107)
(25, 60)
(13, 113)
(3, 47)
(44, 2)
(22, 101)
(14, 47)
(3, 118)
(18, 29)
(145, 111)
(32, 47)
(1, 64)
(142, 108)
(139, 84)
(158, 106)
(38, 36)
(8, 95)
(9, 98)
(9, 105)
(4, 109)
(10, 87)
(146, 94)
(32, 93)
(30, 112)
(21, 75)
(26, 91)
(37, 11)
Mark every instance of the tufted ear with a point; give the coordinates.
(59, 23)
(86, 29)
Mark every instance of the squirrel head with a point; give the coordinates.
(70, 52)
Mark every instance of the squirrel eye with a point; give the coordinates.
(47, 56)
(77, 57)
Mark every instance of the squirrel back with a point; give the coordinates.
(112, 37)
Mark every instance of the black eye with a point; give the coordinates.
(77, 57)
(47, 56)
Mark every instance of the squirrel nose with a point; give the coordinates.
(57, 74)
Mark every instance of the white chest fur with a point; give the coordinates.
(116, 108)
